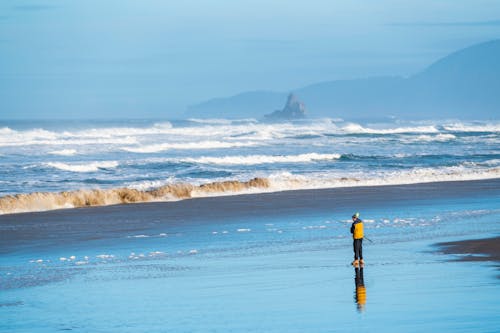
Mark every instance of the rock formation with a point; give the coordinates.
(294, 109)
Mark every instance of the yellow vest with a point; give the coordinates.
(358, 231)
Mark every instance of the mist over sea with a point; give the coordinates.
(144, 155)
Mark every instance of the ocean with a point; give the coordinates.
(110, 162)
(243, 226)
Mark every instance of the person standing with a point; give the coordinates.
(357, 235)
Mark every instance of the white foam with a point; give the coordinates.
(439, 137)
(87, 167)
(156, 148)
(314, 227)
(358, 129)
(459, 127)
(105, 256)
(288, 181)
(244, 230)
(263, 159)
(157, 254)
(217, 121)
(63, 152)
(41, 137)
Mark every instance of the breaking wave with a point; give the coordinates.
(41, 201)
(438, 137)
(284, 181)
(222, 121)
(87, 167)
(263, 159)
(63, 152)
(156, 148)
(358, 129)
(459, 127)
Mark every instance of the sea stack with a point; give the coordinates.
(294, 109)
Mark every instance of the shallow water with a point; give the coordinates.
(249, 268)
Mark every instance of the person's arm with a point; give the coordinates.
(352, 228)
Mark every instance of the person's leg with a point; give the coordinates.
(360, 249)
(356, 249)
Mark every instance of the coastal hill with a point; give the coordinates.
(464, 84)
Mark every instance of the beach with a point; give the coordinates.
(273, 262)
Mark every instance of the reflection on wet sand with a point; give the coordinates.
(360, 291)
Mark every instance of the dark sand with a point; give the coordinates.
(474, 249)
(19, 232)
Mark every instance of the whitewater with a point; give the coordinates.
(51, 165)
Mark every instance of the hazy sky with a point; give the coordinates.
(98, 58)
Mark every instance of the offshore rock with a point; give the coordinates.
(294, 109)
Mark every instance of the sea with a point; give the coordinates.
(153, 158)
(243, 225)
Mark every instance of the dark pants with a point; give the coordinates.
(358, 249)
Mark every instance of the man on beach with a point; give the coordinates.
(357, 235)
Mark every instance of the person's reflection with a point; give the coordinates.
(360, 291)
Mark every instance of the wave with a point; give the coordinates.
(87, 167)
(358, 129)
(221, 121)
(156, 148)
(63, 152)
(41, 201)
(463, 172)
(459, 127)
(284, 181)
(439, 138)
(164, 135)
(109, 135)
(263, 159)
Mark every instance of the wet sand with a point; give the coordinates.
(474, 249)
(258, 280)
(50, 228)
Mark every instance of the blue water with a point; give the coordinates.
(38, 156)
(255, 270)
(283, 272)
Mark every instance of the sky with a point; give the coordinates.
(152, 58)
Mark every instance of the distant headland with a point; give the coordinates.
(464, 84)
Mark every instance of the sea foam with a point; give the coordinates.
(263, 159)
(63, 152)
(87, 167)
(156, 148)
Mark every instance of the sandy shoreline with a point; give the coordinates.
(81, 224)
